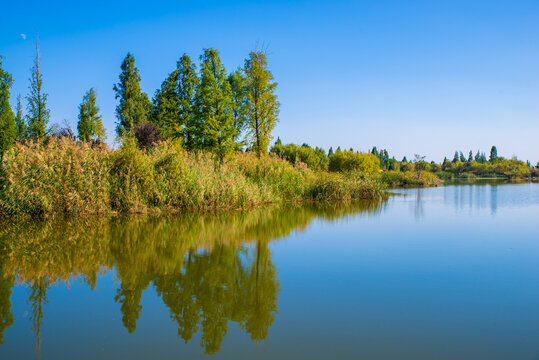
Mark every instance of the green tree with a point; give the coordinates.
(166, 108)
(187, 85)
(470, 156)
(8, 131)
(238, 85)
(214, 105)
(174, 104)
(134, 106)
(493, 154)
(461, 157)
(350, 160)
(20, 124)
(419, 161)
(477, 156)
(38, 114)
(262, 104)
(90, 126)
(456, 157)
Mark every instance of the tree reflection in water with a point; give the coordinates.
(208, 268)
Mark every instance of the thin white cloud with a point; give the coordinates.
(23, 36)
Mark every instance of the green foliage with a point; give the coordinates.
(493, 154)
(166, 108)
(38, 115)
(134, 106)
(262, 104)
(314, 158)
(8, 131)
(351, 185)
(64, 176)
(20, 124)
(349, 160)
(238, 86)
(214, 106)
(173, 111)
(410, 178)
(90, 126)
(60, 176)
(383, 156)
(500, 168)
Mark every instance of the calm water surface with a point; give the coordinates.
(442, 273)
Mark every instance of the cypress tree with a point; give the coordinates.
(214, 105)
(470, 156)
(238, 86)
(134, 106)
(90, 126)
(461, 157)
(478, 156)
(262, 104)
(330, 152)
(38, 114)
(20, 124)
(187, 85)
(8, 131)
(456, 157)
(493, 154)
(174, 103)
(166, 107)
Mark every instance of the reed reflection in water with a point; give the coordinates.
(208, 268)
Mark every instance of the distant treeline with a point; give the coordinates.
(378, 160)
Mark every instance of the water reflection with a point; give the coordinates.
(474, 197)
(208, 269)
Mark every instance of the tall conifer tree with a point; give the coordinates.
(38, 115)
(262, 104)
(166, 107)
(134, 106)
(238, 85)
(187, 87)
(214, 105)
(90, 126)
(20, 124)
(8, 131)
(174, 110)
(493, 154)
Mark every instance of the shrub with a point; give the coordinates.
(147, 135)
(352, 161)
(410, 178)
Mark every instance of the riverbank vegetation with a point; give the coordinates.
(201, 142)
(65, 176)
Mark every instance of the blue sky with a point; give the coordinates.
(413, 76)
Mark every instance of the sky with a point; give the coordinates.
(415, 77)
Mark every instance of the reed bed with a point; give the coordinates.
(63, 176)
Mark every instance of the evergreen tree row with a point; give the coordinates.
(209, 110)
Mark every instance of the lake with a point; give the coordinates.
(438, 273)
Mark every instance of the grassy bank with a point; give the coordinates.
(410, 178)
(64, 176)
